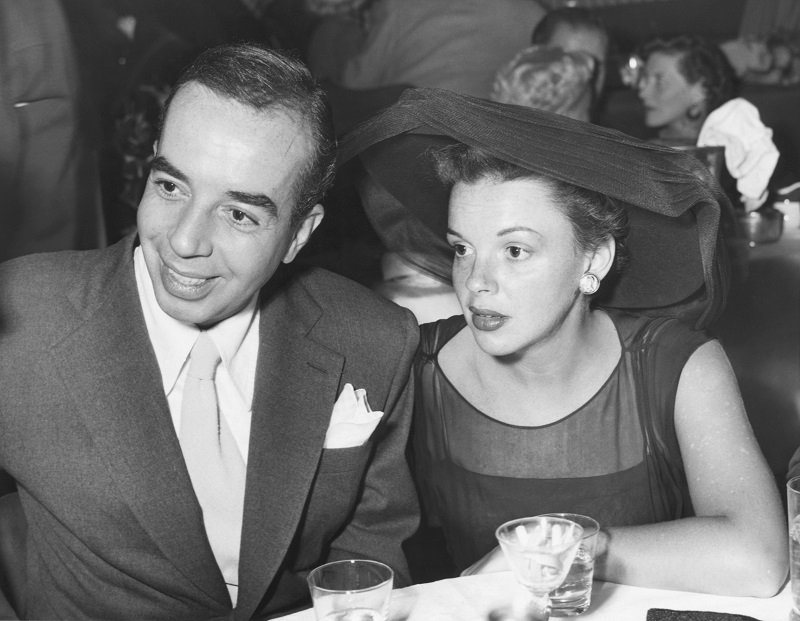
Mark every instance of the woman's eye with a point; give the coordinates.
(459, 249)
(515, 252)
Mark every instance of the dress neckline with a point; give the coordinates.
(611, 376)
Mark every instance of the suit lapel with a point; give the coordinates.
(109, 368)
(296, 384)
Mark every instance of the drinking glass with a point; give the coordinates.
(539, 551)
(574, 595)
(351, 590)
(793, 505)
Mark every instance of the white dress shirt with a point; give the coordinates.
(237, 341)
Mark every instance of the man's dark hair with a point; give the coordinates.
(266, 79)
(576, 18)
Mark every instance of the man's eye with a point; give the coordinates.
(240, 217)
(167, 188)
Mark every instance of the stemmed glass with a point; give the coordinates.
(540, 551)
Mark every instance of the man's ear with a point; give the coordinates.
(303, 232)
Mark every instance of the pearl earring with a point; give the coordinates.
(589, 284)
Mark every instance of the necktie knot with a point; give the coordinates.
(204, 358)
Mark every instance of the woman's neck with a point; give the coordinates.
(551, 379)
(683, 130)
(554, 359)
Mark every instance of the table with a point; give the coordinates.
(471, 598)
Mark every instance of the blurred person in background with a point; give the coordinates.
(683, 80)
(49, 180)
(576, 29)
(688, 90)
(548, 78)
(436, 43)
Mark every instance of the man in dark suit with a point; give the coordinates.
(98, 396)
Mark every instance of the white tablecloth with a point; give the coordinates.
(471, 599)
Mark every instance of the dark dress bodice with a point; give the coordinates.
(475, 472)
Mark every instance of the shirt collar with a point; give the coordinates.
(173, 340)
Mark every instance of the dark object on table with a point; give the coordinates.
(664, 614)
(763, 225)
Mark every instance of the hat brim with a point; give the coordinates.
(673, 202)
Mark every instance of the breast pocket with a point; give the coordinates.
(335, 493)
(344, 460)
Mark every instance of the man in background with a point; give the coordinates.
(430, 43)
(49, 187)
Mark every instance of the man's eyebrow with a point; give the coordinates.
(161, 164)
(256, 200)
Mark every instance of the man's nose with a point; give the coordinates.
(191, 234)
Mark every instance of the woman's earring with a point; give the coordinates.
(694, 112)
(589, 284)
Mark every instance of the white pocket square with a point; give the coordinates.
(352, 421)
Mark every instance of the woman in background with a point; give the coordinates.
(688, 90)
(555, 390)
(683, 80)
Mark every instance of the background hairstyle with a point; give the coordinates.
(699, 60)
(594, 216)
(576, 18)
(547, 78)
(266, 79)
(677, 263)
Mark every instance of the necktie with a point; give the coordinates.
(214, 462)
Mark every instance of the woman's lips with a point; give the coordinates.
(486, 320)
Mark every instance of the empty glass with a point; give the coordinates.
(573, 596)
(351, 590)
(540, 551)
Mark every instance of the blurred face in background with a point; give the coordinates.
(668, 97)
(590, 40)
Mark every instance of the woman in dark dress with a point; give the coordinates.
(555, 390)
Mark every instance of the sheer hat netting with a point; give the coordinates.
(676, 260)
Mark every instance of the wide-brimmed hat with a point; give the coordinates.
(673, 202)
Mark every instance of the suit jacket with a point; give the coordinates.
(114, 528)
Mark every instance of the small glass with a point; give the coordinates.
(793, 505)
(574, 595)
(351, 590)
(540, 551)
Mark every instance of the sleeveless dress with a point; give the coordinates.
(616, 458)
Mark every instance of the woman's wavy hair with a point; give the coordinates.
(594, 216)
